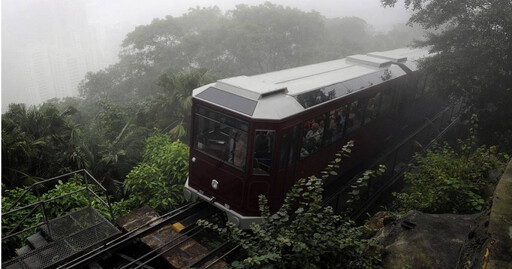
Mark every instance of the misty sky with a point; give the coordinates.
(27, 24)
(133, 11)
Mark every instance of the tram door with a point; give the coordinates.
(288, 154)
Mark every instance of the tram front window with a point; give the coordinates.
(263, 150)
(220, 136)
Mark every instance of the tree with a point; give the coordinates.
(268, 37)
(37, 143)
(112, 144)
(472, 49)
(193, 40)
(169, 109)
(348, 35)
(401, 35)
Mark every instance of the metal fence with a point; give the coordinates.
(37, 188)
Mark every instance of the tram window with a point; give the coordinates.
(220, 136)
(313, 136)
(263, 149)
(386, 103)
(355, 116)
(428, 82)
(372, 108)
(420, 89)
(287, 153)
(334, 131)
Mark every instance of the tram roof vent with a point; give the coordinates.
(387, 56)
(368, 60)
(249, 87)
(268, 93)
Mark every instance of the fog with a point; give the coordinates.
(49, 45)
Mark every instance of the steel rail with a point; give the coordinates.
(171, 247)
(222, 257)
(210, 254)
(147, 224)
(181, 239)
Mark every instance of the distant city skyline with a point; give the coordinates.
(49, 45)
(46, 54)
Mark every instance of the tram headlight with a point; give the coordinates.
(215, 184)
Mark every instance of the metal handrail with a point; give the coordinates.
(39, 183)
(25, 230)
(44, 201)
(41, 203)
(97, 183)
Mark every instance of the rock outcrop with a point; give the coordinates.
(419, 240)
(499, 246)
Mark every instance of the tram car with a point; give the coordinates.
(259, 134)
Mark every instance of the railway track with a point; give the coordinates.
(185, 217)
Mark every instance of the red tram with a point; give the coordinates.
(259, 134)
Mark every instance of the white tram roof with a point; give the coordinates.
(280, 94)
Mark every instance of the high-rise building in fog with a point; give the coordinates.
(54, 48)
(52, 72)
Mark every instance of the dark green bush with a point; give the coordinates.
(158, 180)
(452, 180)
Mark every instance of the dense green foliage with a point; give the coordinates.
(37, 143)
(42, 142)
(158, 180)
(472, 43)
(446, 181)
(302, 234)
(452, 180)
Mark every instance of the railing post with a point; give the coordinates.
(44, 212)
(337, 202)
(86, 183)
(451, 111)
(394, 163)
(369, 187)
(110, 207)
(441, 121)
